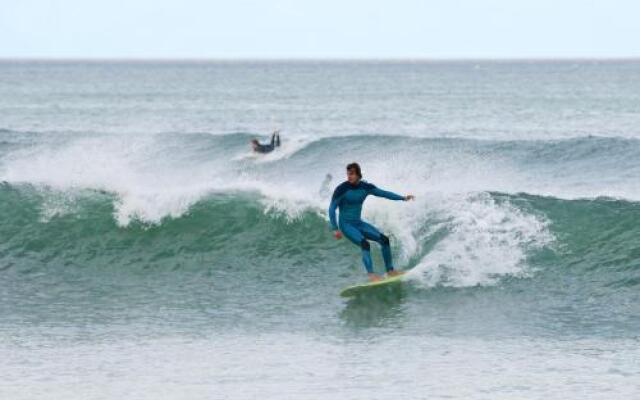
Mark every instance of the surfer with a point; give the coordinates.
(325, 190)
(266, 148)
(348, 198)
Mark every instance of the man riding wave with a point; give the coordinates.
(348, 197)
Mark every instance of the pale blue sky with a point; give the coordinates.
(317, 29)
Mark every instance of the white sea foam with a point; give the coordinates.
(146, 188)
(485, 241)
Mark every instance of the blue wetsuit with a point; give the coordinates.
(349, 198)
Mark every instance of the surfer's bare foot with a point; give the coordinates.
(395, 273)
(374, 278)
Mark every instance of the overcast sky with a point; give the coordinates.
(319, 29)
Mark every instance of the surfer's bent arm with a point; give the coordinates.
(386, 194)
(332, 214)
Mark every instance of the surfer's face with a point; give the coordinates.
(352, 176)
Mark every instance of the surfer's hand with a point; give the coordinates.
(409, 197)
(337, 234)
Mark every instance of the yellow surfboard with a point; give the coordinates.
(362, 288)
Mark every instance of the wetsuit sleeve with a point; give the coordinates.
(332, 214)
(385, 194)
(335, 202)
(273, 139)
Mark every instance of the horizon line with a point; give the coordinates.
(312, 59)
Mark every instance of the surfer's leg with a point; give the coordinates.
(354, 235)
(371, 232)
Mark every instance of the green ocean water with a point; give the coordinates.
(146, 253)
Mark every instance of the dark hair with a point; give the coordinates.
(254, 141)
(354, 166)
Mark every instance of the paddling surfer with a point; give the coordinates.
(269, 147)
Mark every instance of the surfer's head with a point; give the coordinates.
(254, 143)
(354, 174)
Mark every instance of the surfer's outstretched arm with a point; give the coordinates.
(386, 194)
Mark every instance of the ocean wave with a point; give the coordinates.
(478, 201)
(477, 240)
(159, 175)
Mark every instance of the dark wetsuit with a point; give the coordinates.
(268, 148)
(349, 198)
